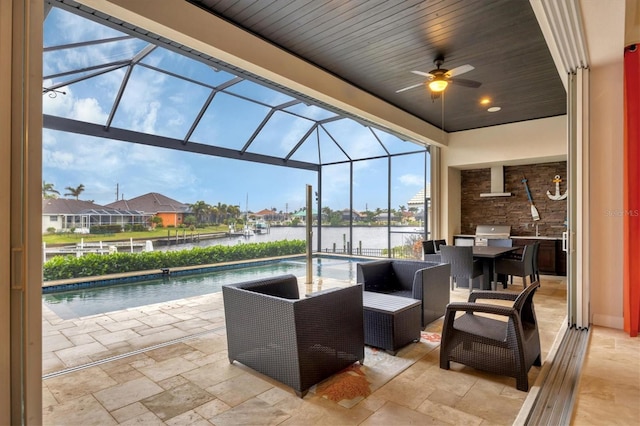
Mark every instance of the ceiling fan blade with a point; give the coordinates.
(410, 87)
(424, 74)
(460, 70)
(465, 82)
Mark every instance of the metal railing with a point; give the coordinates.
(404, 252)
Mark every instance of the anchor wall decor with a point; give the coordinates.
(557, 196)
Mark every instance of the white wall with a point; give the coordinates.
(48, 223)
(606, 195)
(527, 142)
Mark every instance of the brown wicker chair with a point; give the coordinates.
(298, 342)
(507, 348)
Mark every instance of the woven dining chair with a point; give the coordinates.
(463, 266)
(522, 267)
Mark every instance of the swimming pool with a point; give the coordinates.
(107, 298)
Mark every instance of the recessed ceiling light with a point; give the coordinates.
(485, 101)
(494, 109)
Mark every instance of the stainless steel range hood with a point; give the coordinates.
(497, 183)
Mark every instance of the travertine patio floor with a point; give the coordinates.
(167, 364)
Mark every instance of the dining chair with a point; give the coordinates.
(522, 267)
(536, 269)
(463, 266)
(438, 243)
(428, 247)
(501, 242)
(429, 253)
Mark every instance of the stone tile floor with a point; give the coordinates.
(167, 364)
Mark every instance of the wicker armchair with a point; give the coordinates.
(507, 348)
(424, 281)
(298, 342)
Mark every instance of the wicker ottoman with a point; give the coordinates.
(390, 322)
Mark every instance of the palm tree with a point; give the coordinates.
(199, 209)
(223, 212)
(74, 192)
(234, 211)
(215, 212)
(48, 191)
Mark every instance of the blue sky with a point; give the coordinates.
(163, 105)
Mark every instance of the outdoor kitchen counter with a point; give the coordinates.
(533, 237)
(513, 237)
(552, 260)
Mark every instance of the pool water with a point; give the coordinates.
(98, 300)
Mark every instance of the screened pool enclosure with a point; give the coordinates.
(114, 93)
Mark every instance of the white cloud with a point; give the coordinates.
(69, 106)
(70, 159)
(412, 180)
(88, 110)
(141, 102)
(54, 103)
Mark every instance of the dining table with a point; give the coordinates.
(488, 256)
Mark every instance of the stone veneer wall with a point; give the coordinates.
(515, 210)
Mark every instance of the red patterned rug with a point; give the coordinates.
(356, 382)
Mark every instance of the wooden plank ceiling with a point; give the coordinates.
(375, 44)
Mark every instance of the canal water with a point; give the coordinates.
(366, 237)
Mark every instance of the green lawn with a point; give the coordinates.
(157, 233)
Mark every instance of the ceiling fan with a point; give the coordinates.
(438, 79)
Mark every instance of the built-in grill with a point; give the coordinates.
(488, 232)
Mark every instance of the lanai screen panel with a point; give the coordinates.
(137, 84)
(151, 91)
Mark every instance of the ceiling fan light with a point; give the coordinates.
(438, 85)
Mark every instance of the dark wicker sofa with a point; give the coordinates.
(298, 342)
(424, 281)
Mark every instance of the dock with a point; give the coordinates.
(130, 246)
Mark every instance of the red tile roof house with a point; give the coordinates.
(171, 212)
(266, 214)
(66, 214)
